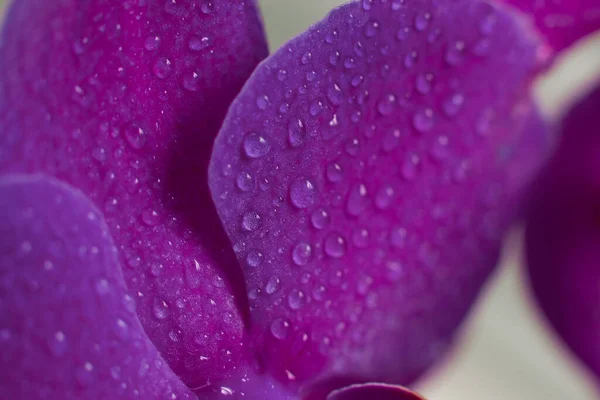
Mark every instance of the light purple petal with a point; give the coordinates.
(122, 99)
(562, 22)
(372, 391)
(563, 234)
(361, 178)
(68, 330)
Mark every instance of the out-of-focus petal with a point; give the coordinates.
(122, 99)
(563, 234)
(562, 21)
(372, 391)
(361, 179)
(68, 330)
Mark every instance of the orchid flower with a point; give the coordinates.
(183, 217)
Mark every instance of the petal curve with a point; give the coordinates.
(56, 254)
(563, 233)
(122, 99)
(354, 161)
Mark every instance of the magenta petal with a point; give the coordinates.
(122, 99)
(563, 234)
(562, 21)
(360, 175)
(372, 391)
(68, 330)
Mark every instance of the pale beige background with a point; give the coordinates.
(505, 352)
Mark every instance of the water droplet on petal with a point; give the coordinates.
(386, 105)
(161, 308)
(152, 43)
(162, 67)
(296, 132)
(358, 200)
(256, 145)
(334, 172)
(251, 221)
(302, 193)
(335, 245)
(254, 258)
(320, 219)
(360, 238)
(280, 328)
(423, 120)
(296, 299)
(272, 285)
(301, 254)
(385, 196)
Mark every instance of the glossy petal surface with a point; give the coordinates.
(563, 234)
(122, 99)
(68, 330)
(372, 391)
(360, 175)
(562, 21)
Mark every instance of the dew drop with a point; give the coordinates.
(332, 37)
(306, 58)
(334, 173)
(386, 105)
(335, 245)
(385, 197)
(135, 136)
(191, 81)
(391, 140)
(353, 147)
(254, 258)
(371, 29)
(350, 63)
(121, 329)
(423, 120)
(409, 168)
(162, 67)
(439, 150)
(302, 193)
(161, 309)
(316, 107)
(423, 83)
(198, 43)
(58, 344)
(192, 273)
(319, 219)
(296, 299)
(245, 182)
(367, 4)
(150, 217)
(256, 145)
(251, 221)
(262, 102)
(422, 21)
(207, 7)
(152, 43)
(358, 200)
(280, 328)
(455, 53)
(360, 238)
(296, 132)
(272, 285)
(453, 105)
(335, 95)
(301, 254)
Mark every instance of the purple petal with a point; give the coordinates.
(563, 234)
(68, 330)
(372, 391)
(360, 176)
(122, 99)
(562, 22)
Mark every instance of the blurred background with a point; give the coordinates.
(504, 350)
